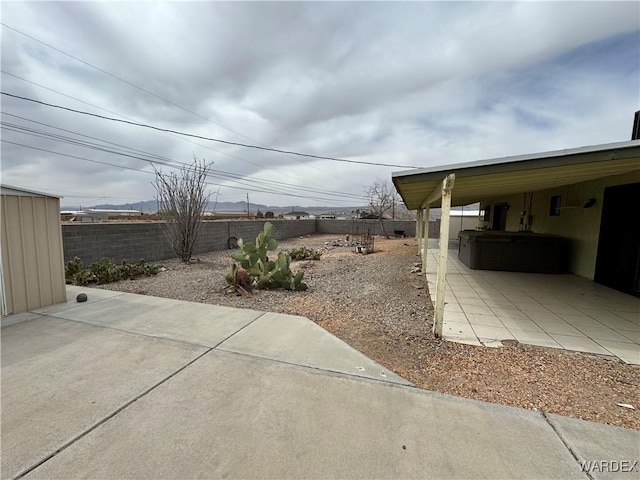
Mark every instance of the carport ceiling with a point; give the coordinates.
(511, 175)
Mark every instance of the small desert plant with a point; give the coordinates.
(106, 271)
(263, 272)
(305, 253)
(73, 269)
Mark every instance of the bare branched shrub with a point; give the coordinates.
(382, 198)
(182, 200)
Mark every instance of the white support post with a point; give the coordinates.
(419, 229)
(425, 236)
(438, 316)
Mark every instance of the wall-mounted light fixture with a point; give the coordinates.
(589, 203)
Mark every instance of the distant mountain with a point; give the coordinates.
(150, 206)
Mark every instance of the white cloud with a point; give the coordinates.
(404, 83)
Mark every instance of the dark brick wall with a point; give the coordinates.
(357, 226)
(133, 241)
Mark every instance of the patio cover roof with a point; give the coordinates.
(525, 173)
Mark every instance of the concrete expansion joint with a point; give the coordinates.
(239, 330)
(128, 332)
(109, 416)
(320, 370)
(564, 441)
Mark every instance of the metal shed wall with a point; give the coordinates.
(32, 258)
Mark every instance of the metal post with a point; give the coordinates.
(438, 315)
(425, 237)
(419, 230)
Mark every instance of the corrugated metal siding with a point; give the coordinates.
(32, 257)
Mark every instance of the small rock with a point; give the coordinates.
(82, 297)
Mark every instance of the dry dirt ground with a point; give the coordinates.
(374, 303)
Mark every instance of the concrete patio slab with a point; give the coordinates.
(99, 396)
(197, 323)
(296, 340)
(18, 318)
(567, 311)
(615, 450)
(59, 378)
(234, 416)
(93, 295)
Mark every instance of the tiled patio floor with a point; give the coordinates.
(484, 307)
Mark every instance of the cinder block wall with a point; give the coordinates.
(133, 241)
(356, 226)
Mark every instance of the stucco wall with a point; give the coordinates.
(581, 226)
(458, 223)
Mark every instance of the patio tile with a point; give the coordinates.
(623, 325)
(455, 317)
(489, 320)
(464, 340)
(478, 309)
(505, 312)
(452, 307)
(520, 324)
(603, 333)
(600, 314)
(631, 316)
(560, 328)
(499, 302)
(517, 298)
(580, 320)
(633, 336)
(470, 300)
(562, 308)
(459, 329)
(534, 338)
(531, 307)
(627, 352)
(579, 344)
(487, 333)
(543, 317)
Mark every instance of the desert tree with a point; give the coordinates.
(383, 199)
(182, 200)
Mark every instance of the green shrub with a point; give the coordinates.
(73, 269)
(305, 253)
(106, 271)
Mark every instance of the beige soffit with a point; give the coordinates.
(524, 173)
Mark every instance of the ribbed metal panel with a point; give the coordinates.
(32, 258)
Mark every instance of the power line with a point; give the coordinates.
(125, 81)
(153, 158)
(144, 90)
(153, 173)
(160, 129)
(129, 118)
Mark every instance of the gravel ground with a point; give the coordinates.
(374, 303)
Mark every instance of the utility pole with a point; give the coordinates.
(248, 211)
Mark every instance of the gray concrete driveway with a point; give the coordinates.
(130, 386)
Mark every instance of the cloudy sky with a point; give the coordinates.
(406, 84)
